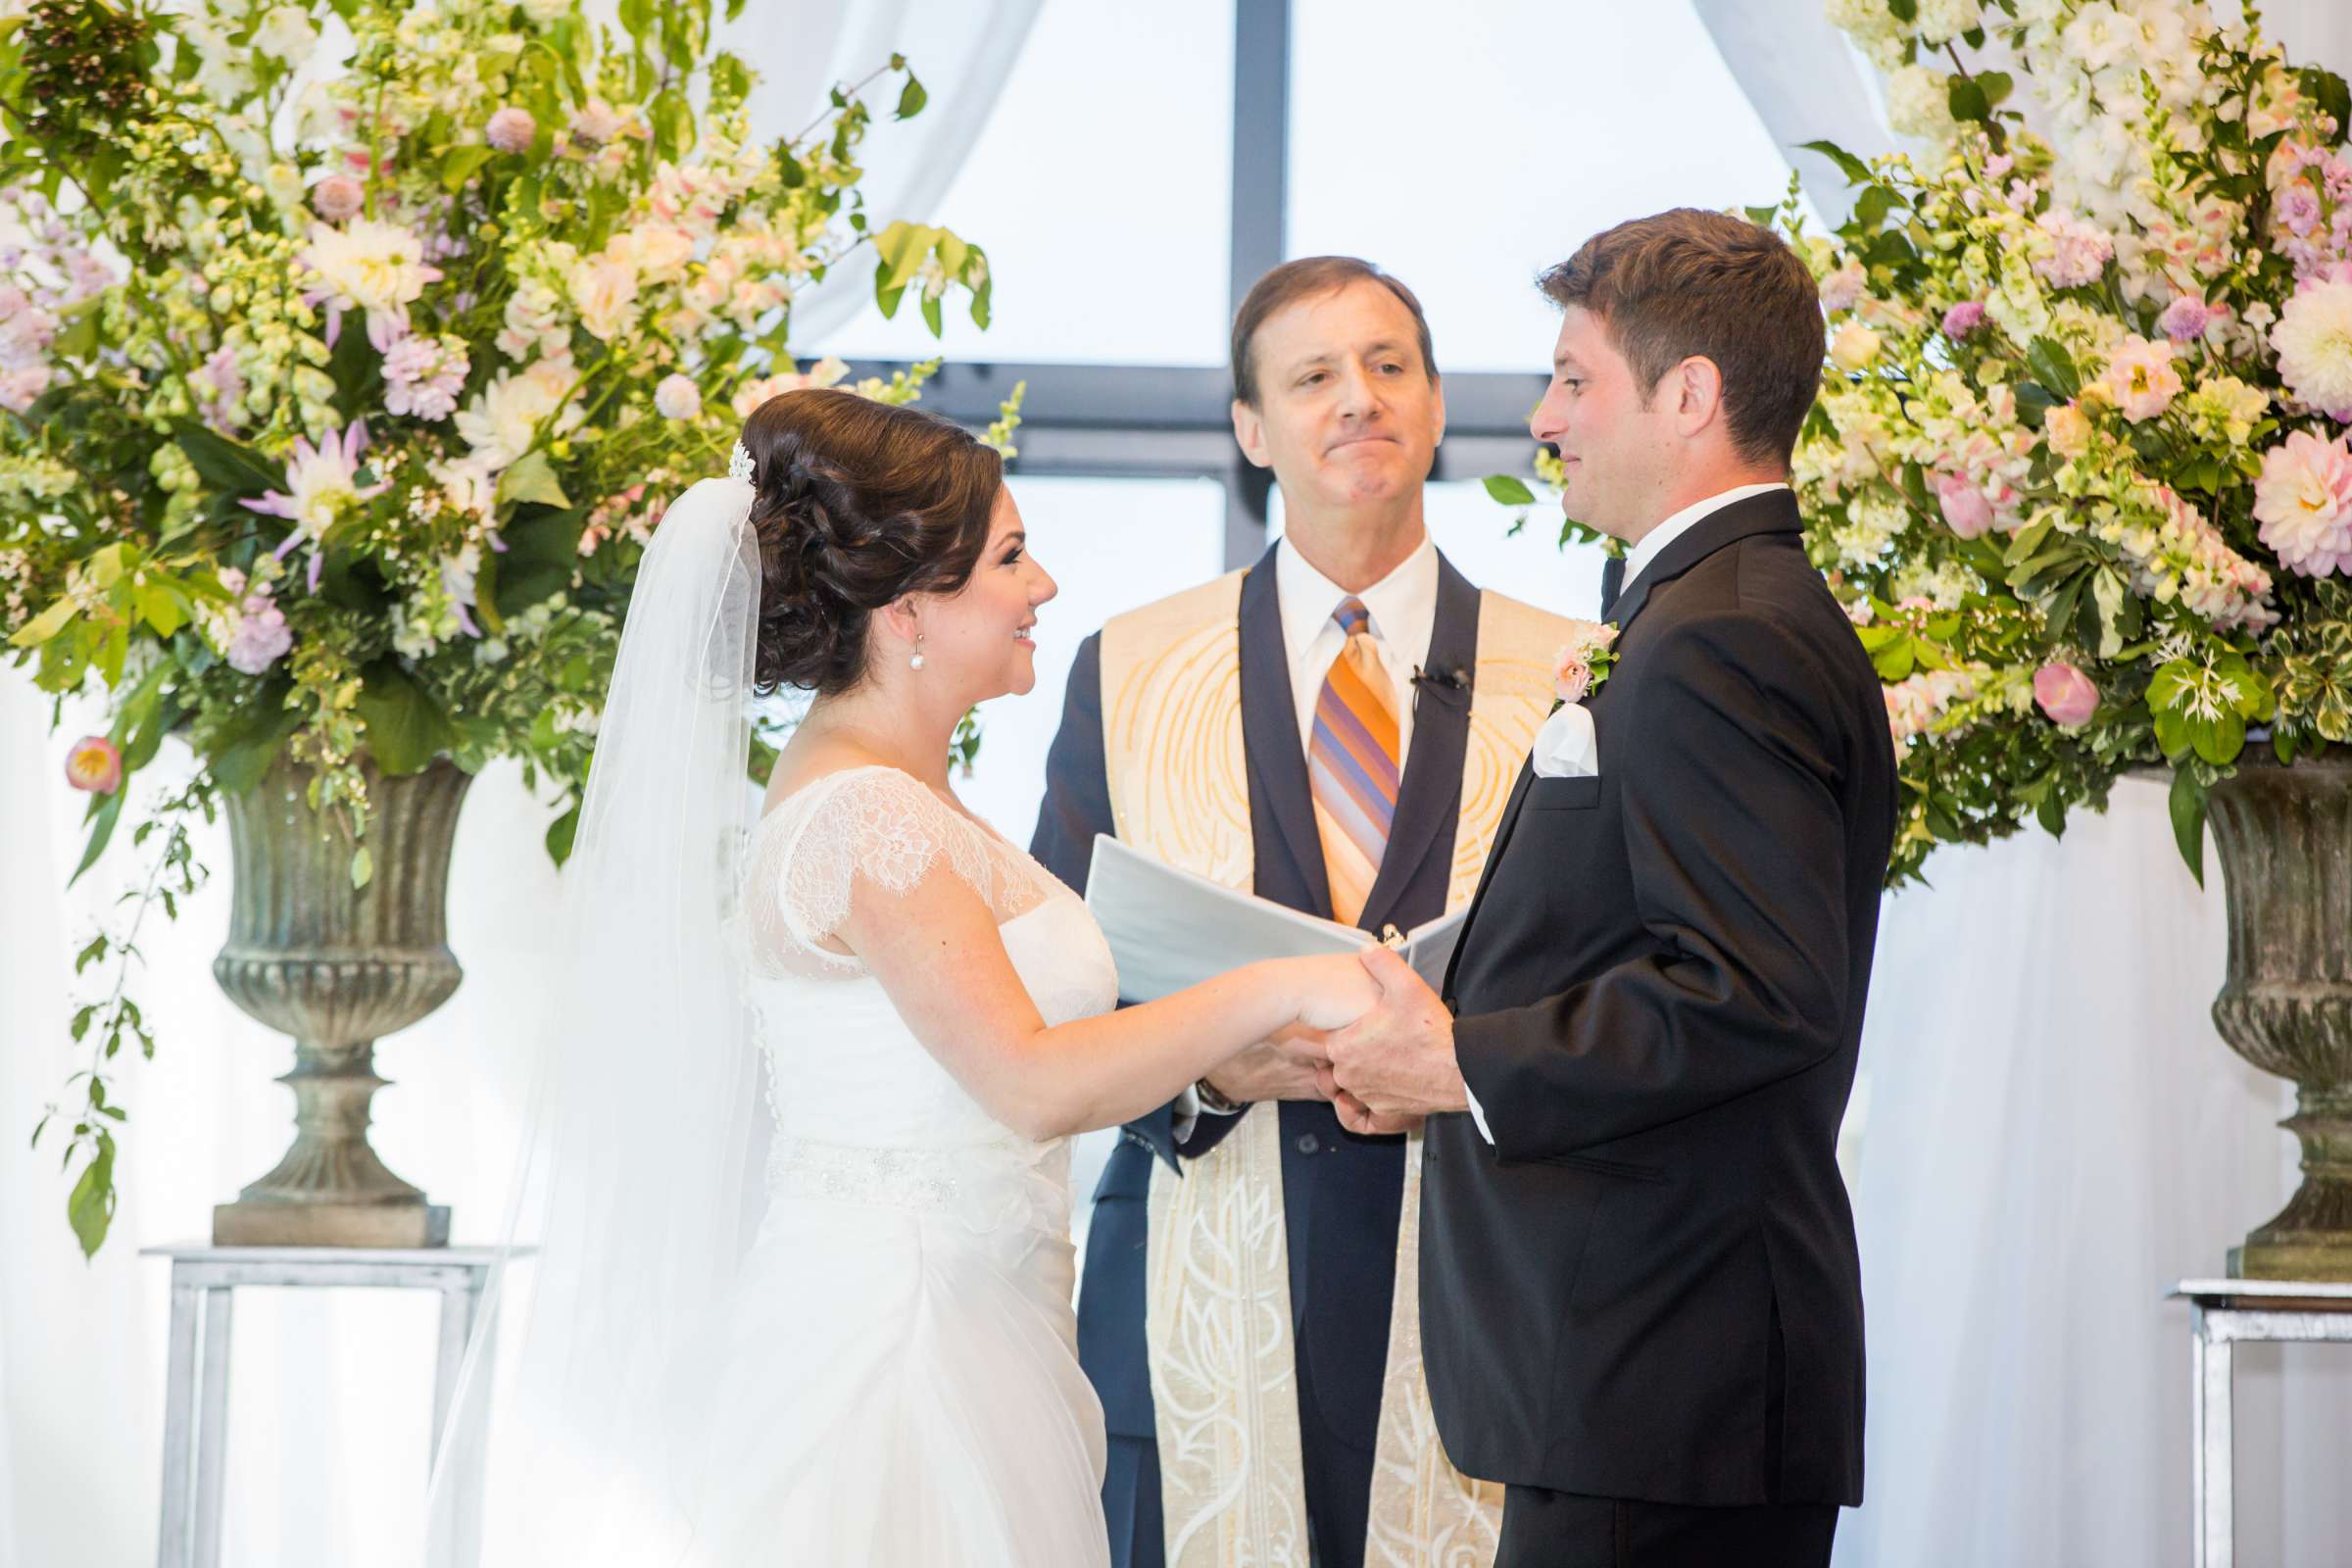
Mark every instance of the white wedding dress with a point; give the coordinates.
(894, 1379)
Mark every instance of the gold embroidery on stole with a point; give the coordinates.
(1217, 1319)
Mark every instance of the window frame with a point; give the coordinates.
(1168, 422)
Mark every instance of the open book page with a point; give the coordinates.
(1169, 928)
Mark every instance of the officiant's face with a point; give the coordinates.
(983, 636)
(1612, 448)
(1347, 413)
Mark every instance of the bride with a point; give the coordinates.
(862, 1350)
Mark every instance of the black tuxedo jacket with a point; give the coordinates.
(1341, 1194)
(1647, 1286)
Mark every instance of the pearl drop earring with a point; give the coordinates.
(917, 663)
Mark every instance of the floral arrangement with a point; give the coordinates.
(350, 352)
(2079, 470)
(2079, 467)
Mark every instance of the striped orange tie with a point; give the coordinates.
(1351, 764)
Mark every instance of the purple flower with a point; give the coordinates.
(1963, 318)
(2185, 320)
(2298, 209)
(423, 376)
(511, 129)
(261, 637)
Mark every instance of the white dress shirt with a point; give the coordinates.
(1637, 557)
(1403, 606)
(1636, 560)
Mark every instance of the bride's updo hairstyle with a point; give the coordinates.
(855, 503)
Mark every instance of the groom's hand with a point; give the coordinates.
(1356, 1119)
(1396, 1061)
(1281, 1067)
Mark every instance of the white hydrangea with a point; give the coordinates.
(1918, 103)
(1874, 28)
(1941, 20)
(286, 35)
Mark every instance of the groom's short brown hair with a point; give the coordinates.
(1688, 282)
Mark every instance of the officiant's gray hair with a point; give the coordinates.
(1692, 283)
(1308, 277)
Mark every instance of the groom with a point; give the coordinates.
(1641, 1299)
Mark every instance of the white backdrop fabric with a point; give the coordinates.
(2051, 1136)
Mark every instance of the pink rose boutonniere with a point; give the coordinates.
(1584, 662)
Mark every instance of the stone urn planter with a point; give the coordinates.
(2286, 840)
(337, 968)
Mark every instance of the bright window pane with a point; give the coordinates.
(1100, 190)
(1530, 566)
(1110, 545)
(1466, 149)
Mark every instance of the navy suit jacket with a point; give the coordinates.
(1341, 1194)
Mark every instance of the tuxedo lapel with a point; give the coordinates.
(1773, 511)
(1429, 798)
(1270, 735)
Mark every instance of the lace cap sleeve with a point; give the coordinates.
(879, 824)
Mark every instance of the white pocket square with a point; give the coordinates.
(1566, 747)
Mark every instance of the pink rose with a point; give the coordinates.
(1571, 678)
(1965, 508)
(2066, 695)
(678, 398)
(511, 129)
(1963, 318)
(94, 765)
(338, 197)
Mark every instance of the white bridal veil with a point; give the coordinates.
(633, 1192)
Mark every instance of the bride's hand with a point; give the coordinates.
(1334, 991)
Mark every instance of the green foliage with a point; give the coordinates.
(224, 506)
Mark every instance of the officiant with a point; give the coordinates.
(1336, 729)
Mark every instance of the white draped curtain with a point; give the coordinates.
(2048, 1132)
(329, 1409)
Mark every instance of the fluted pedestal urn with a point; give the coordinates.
(2286, 840)
(338, 969)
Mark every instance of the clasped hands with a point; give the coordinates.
(1383, 1072)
